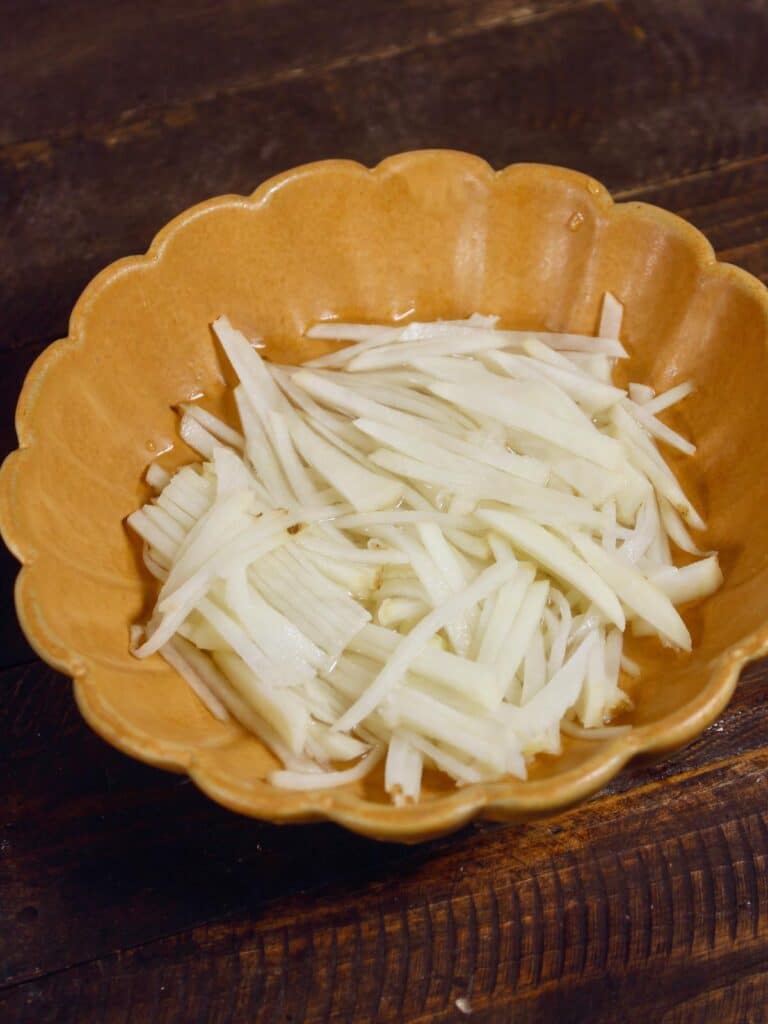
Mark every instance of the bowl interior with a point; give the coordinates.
(425, 235)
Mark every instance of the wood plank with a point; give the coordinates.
(739, 999)
(527, 923)
(650, 101)
(93, 845)
(92, 841)
(130, 896)
(74, 65)
(14, 649)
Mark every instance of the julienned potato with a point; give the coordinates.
(425, 546)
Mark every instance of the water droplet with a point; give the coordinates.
(593, 187)
(151, 446)
(576, 221)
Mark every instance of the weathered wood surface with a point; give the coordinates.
(124, 894)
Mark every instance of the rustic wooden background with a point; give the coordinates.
(124, 894)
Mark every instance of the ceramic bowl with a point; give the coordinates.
(426, 234)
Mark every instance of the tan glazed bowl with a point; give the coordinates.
(426, 234)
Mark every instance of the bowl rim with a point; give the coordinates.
(507, 800)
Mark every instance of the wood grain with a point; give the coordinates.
(647, 103)
(125, 895)
(663, 877)
(73, 65)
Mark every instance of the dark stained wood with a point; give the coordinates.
(590, 88)
(663, 876)
(73, 65)
(125, 895)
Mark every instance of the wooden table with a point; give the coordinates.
(127, 896)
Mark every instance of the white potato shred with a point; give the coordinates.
(423, 548)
